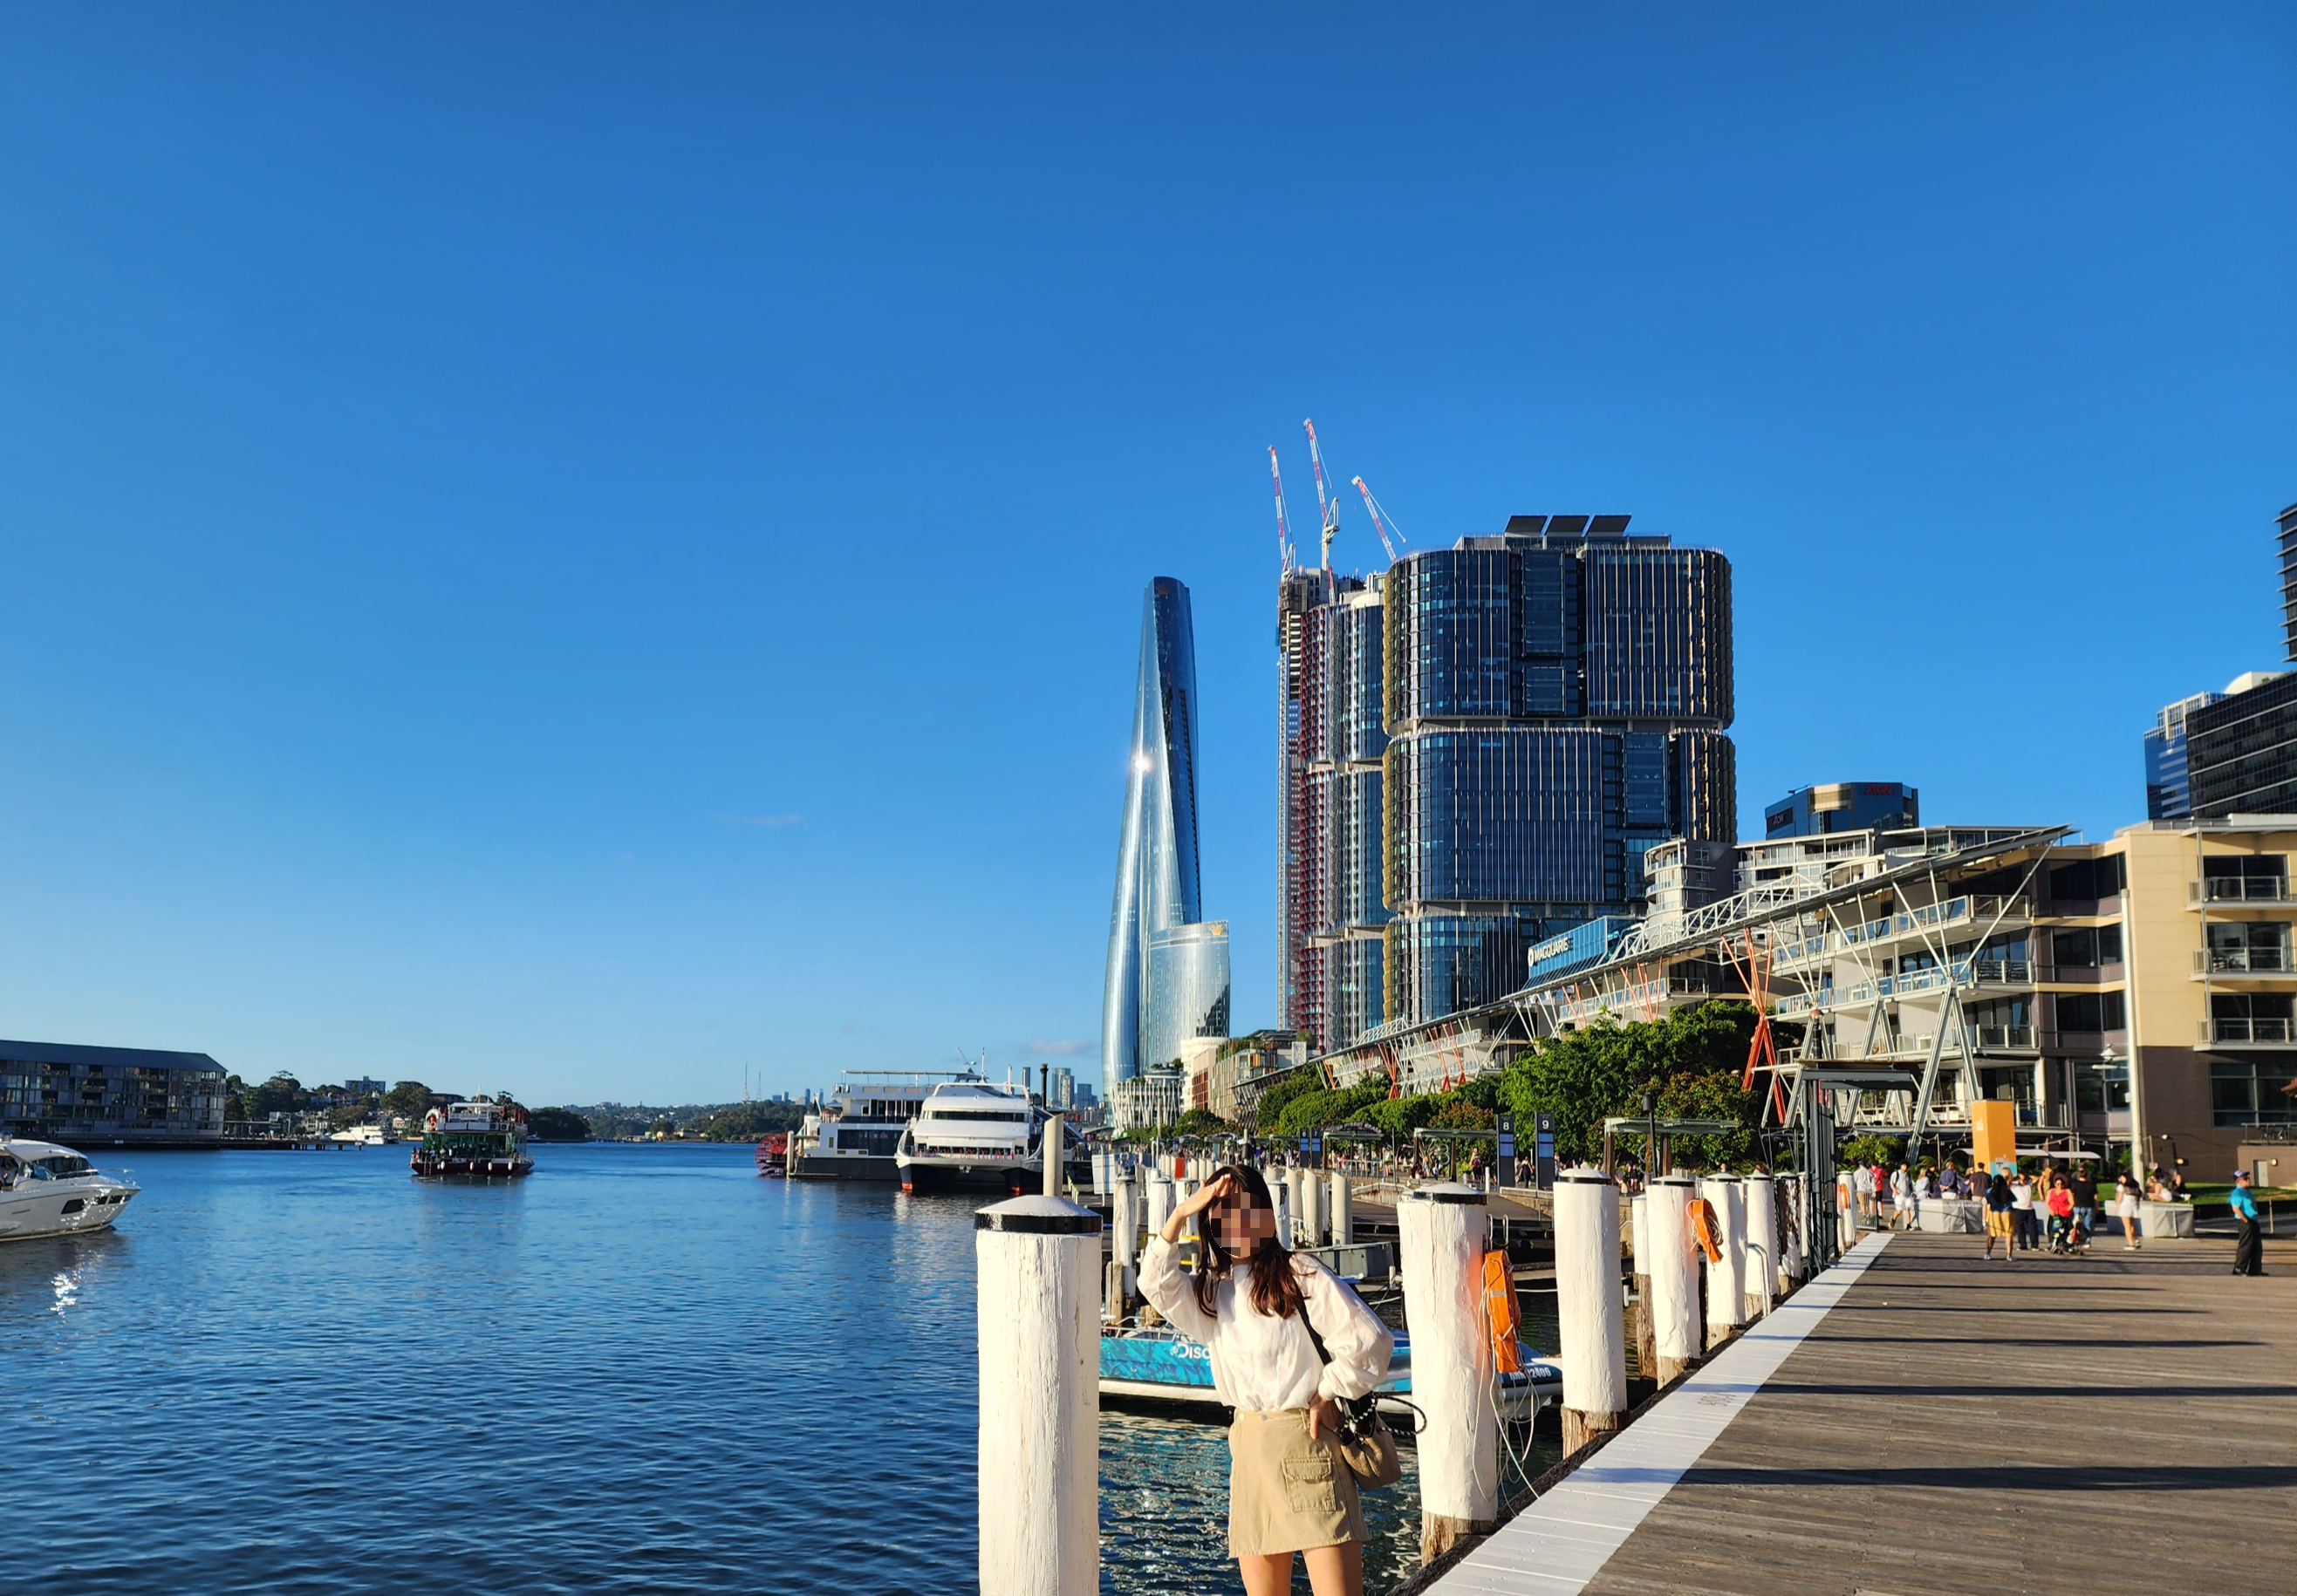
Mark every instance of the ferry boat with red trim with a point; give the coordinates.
(473, 1141)
(773, 1154)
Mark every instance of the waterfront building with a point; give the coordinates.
(2169, 794)
(365, 1086)
(87, 1097)
(1146, 1101)
(1843, 806)
(1167, 972)
(1556, 699)
(1480, 746)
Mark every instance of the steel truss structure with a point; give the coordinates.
(1865, 953)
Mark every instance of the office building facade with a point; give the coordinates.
(1481, 745)
(2240, 752)
(2168, 791)
(1157, 885)
(102, 1096)
(1557, 699)
(1843, 806)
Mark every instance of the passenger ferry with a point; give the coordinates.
(51, 1190)
(857, 1135)
(976, 1135)
(477, 1141)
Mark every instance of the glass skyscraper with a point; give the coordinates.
(1161, 988)
(1488, 739)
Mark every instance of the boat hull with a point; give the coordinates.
(456, 1166)
(1162, 1366)
(930, 1175)
(844, 1167)
(70, 1210)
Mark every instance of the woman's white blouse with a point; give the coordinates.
(1262, 1364)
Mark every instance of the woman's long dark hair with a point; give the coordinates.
(1275, 1290)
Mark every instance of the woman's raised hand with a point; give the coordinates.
(1205, 1196)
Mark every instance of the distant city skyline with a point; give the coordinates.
(589, 552)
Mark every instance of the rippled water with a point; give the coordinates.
(643, 1369)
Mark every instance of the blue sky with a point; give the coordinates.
(591, 549)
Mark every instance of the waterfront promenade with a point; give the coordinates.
(1921, 1420)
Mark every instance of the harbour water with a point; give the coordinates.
(643, 1369)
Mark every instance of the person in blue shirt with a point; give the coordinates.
(2249, 1247)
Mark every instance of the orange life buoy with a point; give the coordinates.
(1707, 1229)
(1501, 1314)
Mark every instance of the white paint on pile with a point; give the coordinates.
(1039, 1453)
(1727, 1277)
(1451, 1352)
(1590, 1327)
(1673, 1269)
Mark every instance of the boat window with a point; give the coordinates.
(976, 1114)
(58, 1168)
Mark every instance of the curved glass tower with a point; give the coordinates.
(1156, 883)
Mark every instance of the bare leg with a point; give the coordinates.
(1269, 1575)
(1336, 1570)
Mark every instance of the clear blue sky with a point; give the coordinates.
(587, 548)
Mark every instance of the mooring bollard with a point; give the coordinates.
(1344, 1222)
(1038, 1461)
(1762, 1284)
(1639, 1314)
(1793, 1266)
(1160, 1200)
(1592, 1338)
(1726, 1276)
(1674, 1263)
(1126, 1243)
(1311, 1203)
(1442, 1229)
(1280, 1188)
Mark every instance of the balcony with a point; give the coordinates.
(2242, 961)
(2238, 889)
(2001, 972)
(2002, 1039)
(2244, 1034)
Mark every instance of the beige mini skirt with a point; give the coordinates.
(1285, 1491)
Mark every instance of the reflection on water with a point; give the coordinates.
(642, 1369)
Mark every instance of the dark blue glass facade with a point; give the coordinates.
(1557, 699)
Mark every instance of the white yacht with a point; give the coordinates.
(51, 1190)
(366, 1136)
(854, 1138)
(977, 1135)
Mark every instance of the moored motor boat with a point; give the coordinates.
(473, 1141)
(1158, 1363)
(46, 1189)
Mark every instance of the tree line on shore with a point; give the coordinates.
(412, 1100)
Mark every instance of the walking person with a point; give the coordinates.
(2061, 1205)
(2249, 1241)
(1902, 1198)
(2125, 1209)
(2084, 1186)
(2021, 1208)
(1260, 1308)
(2001, 1220)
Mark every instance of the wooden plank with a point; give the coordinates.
(1956, 1424)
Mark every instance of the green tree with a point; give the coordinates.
(1885, 1150)
(282, 1094)
(1201, 1121)
(1314, 1110)
(1274, 1096)
(558, 1125)
(409, 1098)
(1693, 1058)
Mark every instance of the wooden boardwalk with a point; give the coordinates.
(2118, 1422)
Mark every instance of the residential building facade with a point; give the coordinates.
(87, 1096)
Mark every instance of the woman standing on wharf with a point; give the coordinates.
(1289, 1489)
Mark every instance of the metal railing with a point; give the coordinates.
(2253, 1033)
(2238, 889)
(2003, 1038)
(2241, 961)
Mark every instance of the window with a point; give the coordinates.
(2088, 879)
(2087, 946)
(2243, 1092)
(2091, 1011)
(2229, 878)
(2238, 945)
